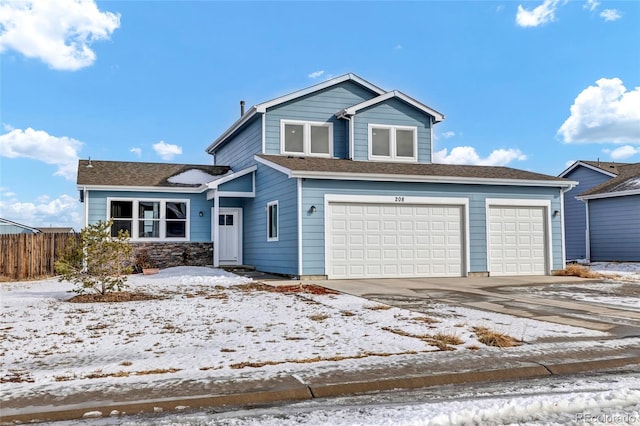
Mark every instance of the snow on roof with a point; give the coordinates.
(192, 177)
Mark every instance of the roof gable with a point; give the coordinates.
(352, 110)
(152, 175)
(607, 168)
(7, 222)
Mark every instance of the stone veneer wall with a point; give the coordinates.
(165, 255)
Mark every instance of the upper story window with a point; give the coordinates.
(306, 138)
(150, 219)
(396, 143)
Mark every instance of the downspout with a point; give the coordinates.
(352, 122)
(563, 240)
(216, 214)
(85, 197)
(299, 188)
(587, 231)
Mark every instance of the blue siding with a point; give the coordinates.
(272, 256)
(614, 225)
(241, 184)
(239, 151)
(10, 229)
(313, 224)
(575, 219)
(392, 112)
(200, 227)
(321, 107)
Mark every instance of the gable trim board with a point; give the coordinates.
(352, 110)
(588, 166)
(436, 244)
(507, 244)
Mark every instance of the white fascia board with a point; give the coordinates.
(609, 195)
(352, 110)
(317, 87)
(421, 178)
(588, 166)
(235, 126)
(172, 189)
(214, 184)
(274, 166)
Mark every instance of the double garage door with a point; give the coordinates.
(394, 240)
(378, 240)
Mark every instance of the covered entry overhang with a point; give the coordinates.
(241, 184)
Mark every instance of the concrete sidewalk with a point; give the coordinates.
(504, 295)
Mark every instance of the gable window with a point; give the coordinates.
(150, 219)
(272, 221)
(396, 143)
(306, 138)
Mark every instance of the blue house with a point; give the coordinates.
(612, 211)
(588, 174)
(337, 181)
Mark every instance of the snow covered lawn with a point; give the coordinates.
(212, 323)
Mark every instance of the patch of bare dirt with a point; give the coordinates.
(296, 288)
(115, 296)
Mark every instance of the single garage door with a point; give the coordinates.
(517, 240)
(390, 240)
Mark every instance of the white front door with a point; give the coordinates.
(230, 236)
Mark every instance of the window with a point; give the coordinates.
(272, 221)
(395, 143)
(153, 219)
(307, 138)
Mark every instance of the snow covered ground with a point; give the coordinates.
(211, 324)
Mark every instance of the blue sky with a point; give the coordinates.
(532, 85)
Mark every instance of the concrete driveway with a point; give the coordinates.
(506, 295)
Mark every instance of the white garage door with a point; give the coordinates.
(390, 240)
(517, 242)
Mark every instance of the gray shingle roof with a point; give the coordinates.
(606, 166)
(330, 165)
(119, 173)
(628, 179)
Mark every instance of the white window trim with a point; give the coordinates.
(269, 205)
(162, 220)
(393, 148)
(306, 139)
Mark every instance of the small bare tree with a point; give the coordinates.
(100, 263)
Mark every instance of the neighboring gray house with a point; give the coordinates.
(337, 181)
(613, 217)
(8, 227)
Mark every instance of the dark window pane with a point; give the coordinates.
(149, 229)
(293, 138)
(229, 220)
(118, 225)
(176, 210)
(122, 209)
(176, 229)
(221, 220)
(149, 210)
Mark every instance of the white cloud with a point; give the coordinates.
(622, 153)
(610, 15)
(540, 15)
(468, 155)
(39, 145)
(62, 211)
(591, 5)
(316, 74)
(58, 32)
(606, 112)
(448, 134)
(166, 151)
(137, 151)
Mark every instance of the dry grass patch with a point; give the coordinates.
(426, 320)
(115, 296)
(495, 338)
(240, 365)
(287, 289)
(319, 317)
(378, 307)
(441, 341)
(576, 270)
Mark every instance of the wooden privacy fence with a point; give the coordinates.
(32, 256)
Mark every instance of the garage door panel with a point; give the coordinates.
(517, 240)
(403, 240)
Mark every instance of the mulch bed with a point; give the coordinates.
(116, 296)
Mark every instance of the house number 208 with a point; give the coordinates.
(399, 199)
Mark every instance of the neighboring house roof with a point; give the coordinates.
(58, 230)
(7, 222)
(626, 183)
(262, 107)
(329, 168)
(352, 110)
(92, 173)
(604, 167)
